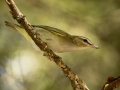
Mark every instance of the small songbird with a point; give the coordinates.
(56, 39)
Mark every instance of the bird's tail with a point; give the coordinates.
(19, 28)
(12, 25)
(21, 31)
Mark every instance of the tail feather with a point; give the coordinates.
(12, 25)
(19, 29)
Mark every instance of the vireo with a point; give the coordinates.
(56, 39)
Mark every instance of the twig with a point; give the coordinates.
(76, 82)
(111, 83)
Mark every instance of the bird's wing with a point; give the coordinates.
(52, 30)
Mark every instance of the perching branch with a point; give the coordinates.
(76, 82)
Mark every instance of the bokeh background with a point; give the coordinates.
(24, 68)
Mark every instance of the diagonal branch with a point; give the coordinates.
(76, 82)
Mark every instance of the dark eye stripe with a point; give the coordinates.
(87, 41)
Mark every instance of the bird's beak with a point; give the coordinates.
(96, 47)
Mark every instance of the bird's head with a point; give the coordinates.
(83, 42)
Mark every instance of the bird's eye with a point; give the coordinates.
(85, 40)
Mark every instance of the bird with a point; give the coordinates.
(56, 39)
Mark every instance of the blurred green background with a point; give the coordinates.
(24, 68)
